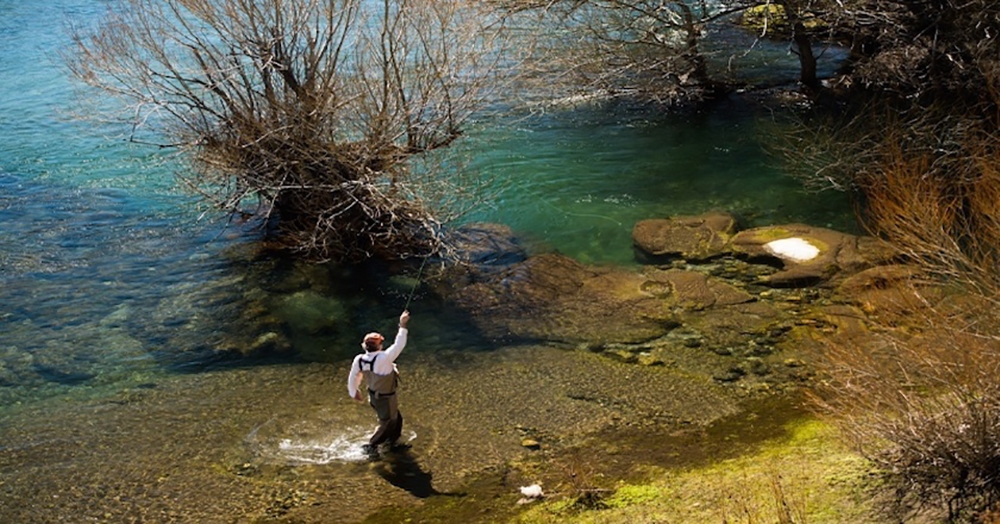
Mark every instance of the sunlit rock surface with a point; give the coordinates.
(829, 255)
(794, 249)
(690, 237)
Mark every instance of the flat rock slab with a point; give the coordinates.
(808, 255)
(693, 290)
(693, 238)
(734, 325)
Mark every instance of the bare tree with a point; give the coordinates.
(317, 109)
(927, 75)
(804, 22)
(646, 49)
(663, 50)
(922, 48)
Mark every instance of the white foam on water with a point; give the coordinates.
(347, 447)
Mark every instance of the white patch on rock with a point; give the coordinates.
(532, 491)
(797, 249)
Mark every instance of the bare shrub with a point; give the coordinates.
(860, 144)
(317, 109)
(920, 150)
(920, 397)
(926, 410)
(922, 48)
(648, 50)
(580, 481)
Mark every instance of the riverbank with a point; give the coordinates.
(772, 461)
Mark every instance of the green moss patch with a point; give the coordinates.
(807, 476)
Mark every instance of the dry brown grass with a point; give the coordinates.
(920, 397)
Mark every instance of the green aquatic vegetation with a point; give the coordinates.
(774, 233)
(631, 495)
(807, 476)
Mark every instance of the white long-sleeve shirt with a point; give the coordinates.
(384, 364)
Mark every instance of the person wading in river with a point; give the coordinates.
(378, 368)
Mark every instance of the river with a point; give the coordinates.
(118, 291)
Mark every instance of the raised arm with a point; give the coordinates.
(393, 351)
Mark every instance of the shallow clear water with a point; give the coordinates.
(577, 181)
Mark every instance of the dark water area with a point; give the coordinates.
(126, 313)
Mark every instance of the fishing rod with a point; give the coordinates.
(415, 284)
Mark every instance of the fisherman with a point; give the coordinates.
(378, 367)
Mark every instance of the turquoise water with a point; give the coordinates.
(578, 180)
(110, 276)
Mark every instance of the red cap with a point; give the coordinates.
(373, 337)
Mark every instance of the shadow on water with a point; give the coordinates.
(400, 468)
(323, 310)
(67, 378)
(284, 310)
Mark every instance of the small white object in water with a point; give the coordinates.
(533, 491)
(797, 249)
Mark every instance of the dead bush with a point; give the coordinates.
(920, 397)
(319, 110)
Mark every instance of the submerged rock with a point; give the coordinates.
(695, 238)
(728, 292)
(530, 443)
(311, 312)
(269, 343)
(877, 278)
(478, 251)
(487, 247)
(16, 368)
(693, 290)
(554, 298)
(894, 293)
(733, 329)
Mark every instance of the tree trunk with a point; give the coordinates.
(807, 60)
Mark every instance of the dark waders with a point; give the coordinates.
(390, 420)
(382, 398)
